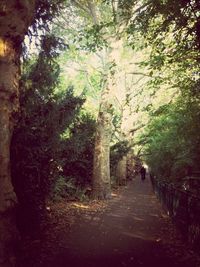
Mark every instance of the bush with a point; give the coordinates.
(117, 152)
(36, 147)
(77, 154)
(173, 142)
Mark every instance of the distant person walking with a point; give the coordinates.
(143, 173)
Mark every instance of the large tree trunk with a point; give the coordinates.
(121, 171)
(8, 106)
(15, 17)
(101, 164)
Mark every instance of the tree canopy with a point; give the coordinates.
(101, 84)
(146, 54)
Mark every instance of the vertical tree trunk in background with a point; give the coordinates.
(121, 172)
(101, 164)
(130, 165)
(15, 17)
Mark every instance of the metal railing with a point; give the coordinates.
(183, 207)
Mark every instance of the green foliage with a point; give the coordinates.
(91, 39)
(54, 154)
(66, 187)
(78, 150)
(117, 151)
(170, 33)
(36, 146)
(156, 18)
(173, 143)
(46, 10)
(61, 188)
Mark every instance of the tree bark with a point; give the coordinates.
(121, 172)
(101, 164)
(15, 17)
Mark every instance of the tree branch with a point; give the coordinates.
(93, 13)
(79, 5)
(137, 128)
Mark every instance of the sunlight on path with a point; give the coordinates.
(133, 231)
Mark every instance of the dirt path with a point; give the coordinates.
(133, 231)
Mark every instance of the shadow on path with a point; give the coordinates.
(133, 231)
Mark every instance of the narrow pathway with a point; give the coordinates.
(133, 231)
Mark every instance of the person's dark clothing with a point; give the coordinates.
(143, 173)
